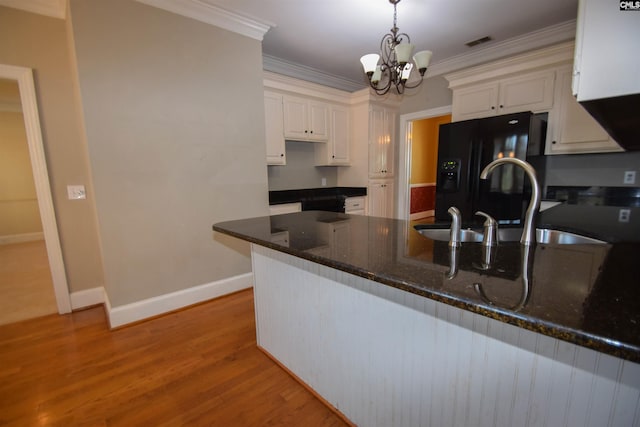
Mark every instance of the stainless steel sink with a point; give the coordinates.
(443, 234)
(543, 235)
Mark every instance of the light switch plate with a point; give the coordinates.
(629, 177)
(76, 192)
(624, 215)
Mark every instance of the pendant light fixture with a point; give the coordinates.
(395, 64)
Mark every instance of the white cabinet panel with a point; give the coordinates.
(305, 120)
(571, 127)
(380, 195)
(381, 142)
(274, 133)
(336, 152)
(526, 92)
(475, 101)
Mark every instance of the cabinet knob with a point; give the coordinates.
(502, 106)
(553, 142)
(333, 157)
(310, 131)
(306, 131)
(493, 107)
(282, 155)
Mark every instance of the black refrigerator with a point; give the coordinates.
(466, 147)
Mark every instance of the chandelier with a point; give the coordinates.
(395, 67)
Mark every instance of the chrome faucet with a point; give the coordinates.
(456, 224)
(529, 231)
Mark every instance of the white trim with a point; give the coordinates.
(275, 81)
(214, 15)
(404, 157)
(87, 298)
(24, 76)
(52, 8)
(423, 184)
(420, 215)
(21, 238)
(140, 310)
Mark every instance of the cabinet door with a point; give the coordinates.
(381, 144)
(528, 92)
(475, 102)
(571, 127)
(339, 141)
(296, 116)
(380, 195)
(318, 121)
(274, 133)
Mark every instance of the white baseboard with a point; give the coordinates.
(87, 298)
(420, 215)
(21, 238)
(140, 310)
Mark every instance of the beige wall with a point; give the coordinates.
(18, 202)
(433, 92)
(174, 116)
(40, 43)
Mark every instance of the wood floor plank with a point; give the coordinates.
(198, 366)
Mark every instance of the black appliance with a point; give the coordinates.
(323, 203)
(466, 147)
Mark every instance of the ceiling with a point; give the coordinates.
(323, 40)
(330, 36)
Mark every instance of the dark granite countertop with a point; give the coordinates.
(585, 294)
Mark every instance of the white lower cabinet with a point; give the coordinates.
(380, 195)
(571, 127)
(355, 205)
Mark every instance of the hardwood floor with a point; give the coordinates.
(26, 288)
(199, 366)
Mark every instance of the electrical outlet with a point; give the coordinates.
(76, 192)
(629, 177)
(624, 215)
(324, 182)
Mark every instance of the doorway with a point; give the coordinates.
(48, 254)
(418, 157)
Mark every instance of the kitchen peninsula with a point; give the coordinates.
(391, 328)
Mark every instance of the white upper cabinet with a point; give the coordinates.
(381, 142)
(305, 119)
(526, 92)
(571, 128)
(274, 132)
(336, 151)
(606, 60)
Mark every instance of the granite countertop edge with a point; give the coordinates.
(564, 333)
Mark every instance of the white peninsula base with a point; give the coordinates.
(386, 357)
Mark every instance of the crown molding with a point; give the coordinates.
(51, 8)
(302, 72)
(280, 82)
(537, 39)
(561, 53)
(214, 15)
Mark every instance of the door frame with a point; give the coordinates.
(404, 165)
(24, 77)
